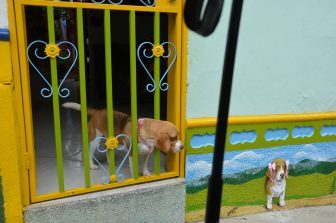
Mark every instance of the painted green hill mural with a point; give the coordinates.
(252, 192)
(304, 167)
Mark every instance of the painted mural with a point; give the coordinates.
(312, 172)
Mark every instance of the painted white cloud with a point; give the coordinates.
(250, 155)
(311, 147)
(311, 152)
(232, 166)
(198, 169)
(301, 155)
(199, 165)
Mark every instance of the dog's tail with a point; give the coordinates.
(77, 107)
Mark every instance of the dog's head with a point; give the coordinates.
(278, 169)
(167, 138)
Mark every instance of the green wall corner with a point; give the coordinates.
(2, 215)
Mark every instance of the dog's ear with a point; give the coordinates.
(163, 142)
(287, 168)
(270, 170)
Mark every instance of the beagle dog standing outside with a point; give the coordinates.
(162, 135)
(275, 185)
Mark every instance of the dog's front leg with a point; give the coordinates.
(145, 151)
(145, 171)
(269, 202)
(282, 199)
(93, 146)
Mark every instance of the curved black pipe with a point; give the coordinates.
(216, 180)
(205, 27)
(206, 24)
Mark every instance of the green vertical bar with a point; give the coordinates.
(157, 89)
(133, 93)
(54, 83)
(109, 96)
(82, 83)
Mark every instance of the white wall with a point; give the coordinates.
(286, 60)
(3, 14)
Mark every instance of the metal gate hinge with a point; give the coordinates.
(26, 161)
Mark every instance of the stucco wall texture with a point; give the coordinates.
(285, 60)
(9, 162)
(162, 201)
(3, 14)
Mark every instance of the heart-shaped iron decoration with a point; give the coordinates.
(52, 51)
(157, 51)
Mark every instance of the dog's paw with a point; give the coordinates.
(282, 203)
(146, 173)
(269, 206)
(94, 167)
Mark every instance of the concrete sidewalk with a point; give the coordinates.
(321, 214)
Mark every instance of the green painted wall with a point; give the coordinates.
(2, 216)
(285, 60)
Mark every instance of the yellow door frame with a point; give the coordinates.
(19, 104)
(17, 41)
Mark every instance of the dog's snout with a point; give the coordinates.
(282, 175)
(178, 146)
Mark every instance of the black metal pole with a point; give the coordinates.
(216, 181)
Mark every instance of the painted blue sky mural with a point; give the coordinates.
(199, 166)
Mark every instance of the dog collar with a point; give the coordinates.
(140, 124)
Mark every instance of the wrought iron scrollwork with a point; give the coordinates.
(143, 52)
(52, 51)
(120, 176)
(61, 90)
(150, 3)
(110, 1)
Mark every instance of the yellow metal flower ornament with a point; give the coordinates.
(111, 143)
(52, 50)
(158, 50)
(113, 178)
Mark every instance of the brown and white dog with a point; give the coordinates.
(275, 185)
(162, 135)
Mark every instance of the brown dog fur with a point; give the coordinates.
(162, 135)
